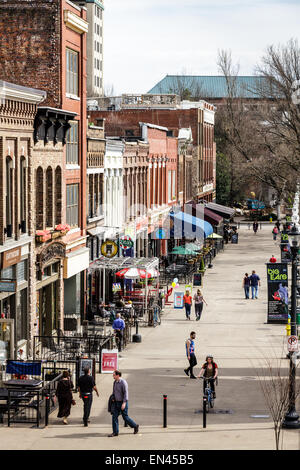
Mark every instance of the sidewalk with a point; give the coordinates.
(234, 330)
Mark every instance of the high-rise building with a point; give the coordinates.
(95, 10)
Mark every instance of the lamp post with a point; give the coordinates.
(291, 419)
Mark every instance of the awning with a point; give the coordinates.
(223, 211)
(210, 216)
(190, 227)
(96, 231)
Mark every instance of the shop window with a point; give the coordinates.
(72, 205)
(72, 72)
(22, 275)
(72, 144)
(8, 273)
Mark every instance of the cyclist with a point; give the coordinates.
(210, 372)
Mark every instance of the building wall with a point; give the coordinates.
(30, 46)
(95, 49)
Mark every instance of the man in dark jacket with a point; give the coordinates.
(86, 385)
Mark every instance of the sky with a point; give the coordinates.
(146, 39)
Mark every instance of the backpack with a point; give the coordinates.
(275, 230)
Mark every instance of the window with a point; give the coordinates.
(169, 185)
(9, 189)
(72, 72)
(23, 194)
(49, 197)
(72, 144)
(22, 271)
(72, 205)
(174, 184)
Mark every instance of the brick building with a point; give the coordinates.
(198, 117)
(43, 44)
(18, 107)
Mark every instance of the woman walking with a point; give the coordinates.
(246, 285)
(199, 299)
(64, 396)
(187, 299)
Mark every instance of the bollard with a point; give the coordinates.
(47, 411)
(204, 411)
(165, 410)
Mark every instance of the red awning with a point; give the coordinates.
(212, 217)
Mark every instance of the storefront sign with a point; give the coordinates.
(178, 299)
(11, 257)
(7, 286)
(109, 361)
(126, 242)
(85, 362)
(208, 187)
(116, 287)
(109, 249)
(52, 251)
(278, 297)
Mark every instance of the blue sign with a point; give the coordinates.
(7, 286)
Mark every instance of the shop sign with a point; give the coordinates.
(109, 361)
(116, 287)
(126, 242)
(208, 187)
(11, 257)
(7, 286)
(278, 298)
(178, 299)
(52, 251)
(109, 249)
(86, 362)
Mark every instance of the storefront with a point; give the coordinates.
(14, 292)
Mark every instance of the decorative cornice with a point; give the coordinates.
(10, 91)
(75, 22)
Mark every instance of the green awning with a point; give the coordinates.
(183, 250)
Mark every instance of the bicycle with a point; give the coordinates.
(208, 398)
(156, 315)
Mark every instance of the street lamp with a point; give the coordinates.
(291, 419)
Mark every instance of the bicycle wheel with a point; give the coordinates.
(211, 402)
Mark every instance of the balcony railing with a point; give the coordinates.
(95, 161)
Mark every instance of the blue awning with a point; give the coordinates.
(189, 226)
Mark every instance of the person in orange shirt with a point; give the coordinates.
(187, 299)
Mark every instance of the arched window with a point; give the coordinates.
(58, 196)
(39, 199)
(23, 194)
(49, 197)
(8, 197)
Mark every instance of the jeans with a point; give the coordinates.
(193, 363)
(198, 309)
(187, 310)
(119, 335)
(212, 384)
(247, 289)
(254, 291)
(87, 405)
(116, 411)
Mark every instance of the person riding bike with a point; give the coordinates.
(209, 371)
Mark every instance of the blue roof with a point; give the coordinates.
(189, 226)
(208, 86)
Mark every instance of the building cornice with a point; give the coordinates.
(14, 92)
(75, 22)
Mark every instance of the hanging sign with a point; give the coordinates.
(278, 297)
(109, 249)
(126, 242)
(285, 248)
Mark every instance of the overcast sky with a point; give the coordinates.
(146, 39)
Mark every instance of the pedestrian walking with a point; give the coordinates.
(86, 385)
(65, 396)
(198, 300)
(255, 227)
(275, 233)
(246, 285)
(254, 283)
(187, 299)
(119, 327)
(119, 404)
(190, 354)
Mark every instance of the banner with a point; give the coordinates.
(285, 248)
(278, 296)
(109, 361)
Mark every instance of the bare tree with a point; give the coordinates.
(275, 385)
